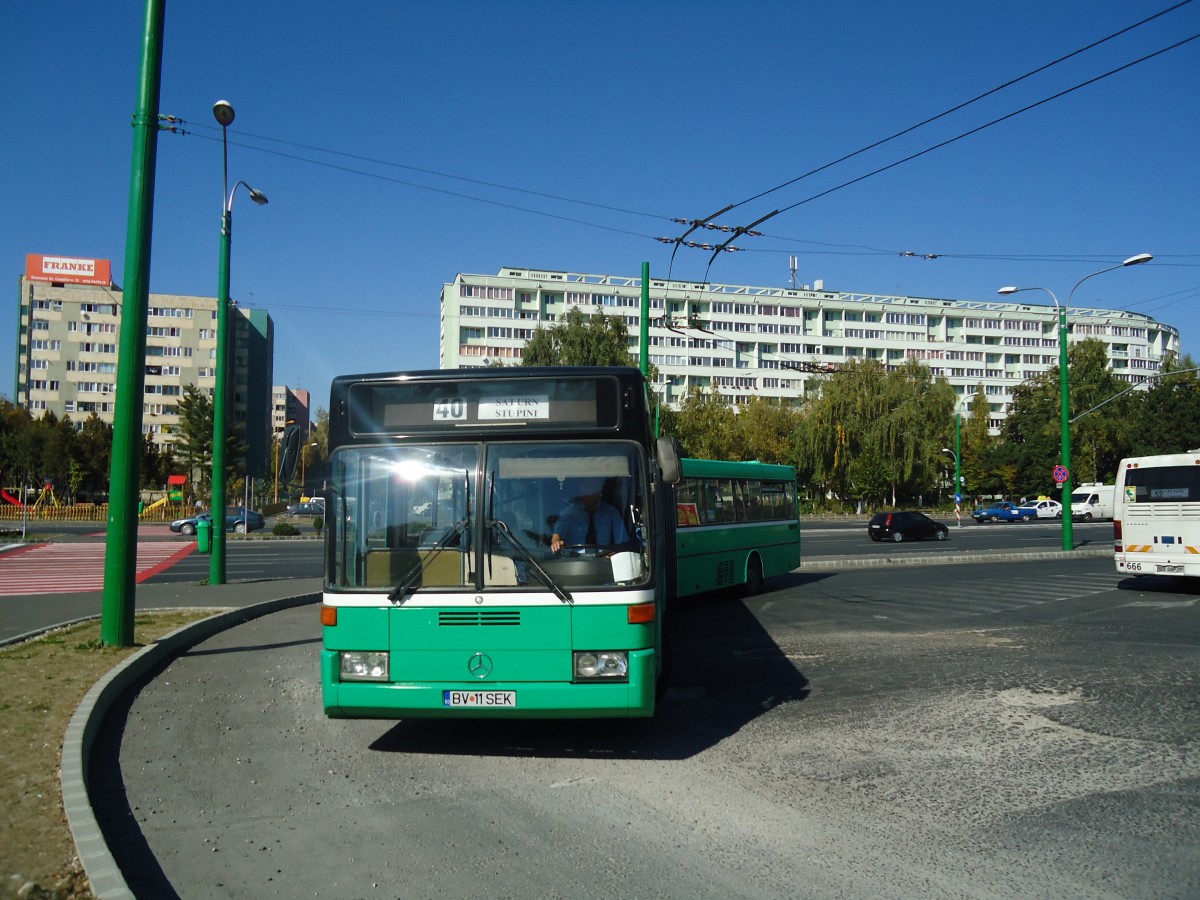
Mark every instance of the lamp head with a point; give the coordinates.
(223, 112)
(1138, 260)
(258, 196)
(1008, 290)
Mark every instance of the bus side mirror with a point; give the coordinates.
(668, 459)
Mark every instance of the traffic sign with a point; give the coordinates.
(1061, 474)
(958, 498)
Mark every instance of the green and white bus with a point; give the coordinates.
(737, 524)
(497, 545)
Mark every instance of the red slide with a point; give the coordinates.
(5, 495)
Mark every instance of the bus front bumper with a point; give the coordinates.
(530, 700)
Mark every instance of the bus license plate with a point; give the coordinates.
(482, 699)
(1169, 570)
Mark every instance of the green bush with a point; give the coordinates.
(318, 523)
(285, 529)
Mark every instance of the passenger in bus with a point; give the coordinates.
(588, 520)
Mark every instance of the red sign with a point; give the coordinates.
(1061, 474)
(68, 269)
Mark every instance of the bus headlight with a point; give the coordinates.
(364, 666)
(602, 665)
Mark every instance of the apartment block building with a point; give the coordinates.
(68, 335)
(290, 405)
(772, 341)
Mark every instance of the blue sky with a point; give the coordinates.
(401, 143)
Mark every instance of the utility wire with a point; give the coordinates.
(706, 222)
(396, 165)
(997, 121)
(962, 105)
(435, 190)
(725, 245)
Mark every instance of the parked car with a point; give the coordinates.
(1003, 512)
(308, 508)
(237, 518)
(1045, 509)
(905, 526)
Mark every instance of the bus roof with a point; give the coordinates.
(720, 468)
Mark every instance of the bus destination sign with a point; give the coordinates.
(495, 403)
(495, 411)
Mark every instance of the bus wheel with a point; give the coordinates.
(754, 577)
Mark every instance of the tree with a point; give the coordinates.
(580, 340)
(871, 478)
(1166, 418)
(978, 445)
(768, 430)
(94, 444)
(194, 443)
(1032, 429)
(194, 446)
(706, 427)
(903, 417)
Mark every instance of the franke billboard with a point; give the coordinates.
(68, 269)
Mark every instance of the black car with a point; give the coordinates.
(309, 508)
(905, 526)
(237, 519)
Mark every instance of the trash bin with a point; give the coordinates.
(204, 535)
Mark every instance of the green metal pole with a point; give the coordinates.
(1064, 402)
(120, 552)
(216, 564)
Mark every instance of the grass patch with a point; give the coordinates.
(44, 681)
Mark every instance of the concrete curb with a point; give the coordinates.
(103, 874)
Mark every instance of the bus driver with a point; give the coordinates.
(588, 520)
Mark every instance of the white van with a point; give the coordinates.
(1092, 501)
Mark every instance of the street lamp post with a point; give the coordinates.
(216, 569)
(1064, 392)
(957, 485)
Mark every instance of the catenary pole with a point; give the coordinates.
(120, 552)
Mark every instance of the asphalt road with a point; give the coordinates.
(849, 538)
(246, 561)
(1025, 729)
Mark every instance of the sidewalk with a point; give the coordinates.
(234, 604)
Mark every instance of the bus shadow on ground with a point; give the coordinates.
(1160, 584)
(726, 671)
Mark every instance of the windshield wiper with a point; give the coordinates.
(543, 576)
(402, 590)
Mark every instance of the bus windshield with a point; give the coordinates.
(530, 515)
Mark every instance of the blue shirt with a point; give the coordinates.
(572, 525)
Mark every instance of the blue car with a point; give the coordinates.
(237, 519)
(1004, 512)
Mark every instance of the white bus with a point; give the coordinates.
(1156, 515)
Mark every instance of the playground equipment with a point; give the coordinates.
(155, 505)
(46, 496)
(6, 496)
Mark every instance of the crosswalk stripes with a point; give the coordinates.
(64, 568)
(975, 598)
